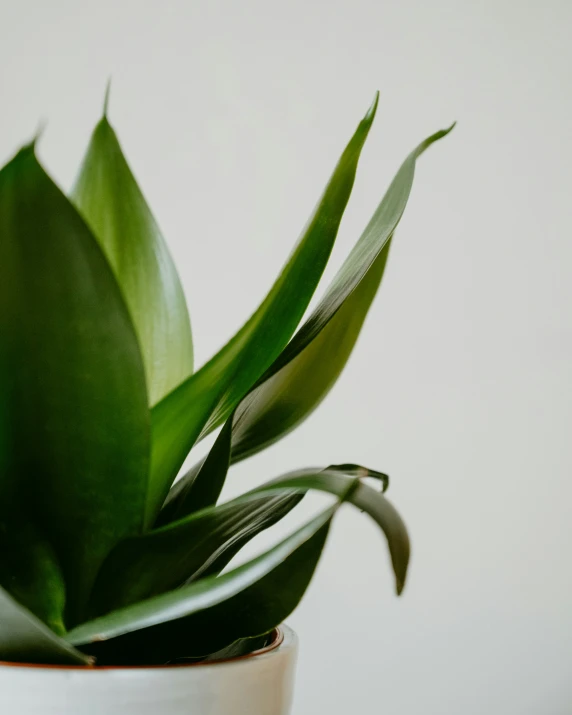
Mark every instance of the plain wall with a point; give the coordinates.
(232, 115)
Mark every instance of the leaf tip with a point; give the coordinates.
(31, 146)
(400, 572)
(434, 138)
(370, 114)
(28, 150)
(443, 132)
(449, 129)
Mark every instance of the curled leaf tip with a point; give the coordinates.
(360, 472)
(384, 481)
(444, 132)
(434, 138)
(106, 98)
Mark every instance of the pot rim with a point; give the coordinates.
(278, 640)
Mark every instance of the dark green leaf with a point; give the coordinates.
(207, 398)
(310, 364)
(254, 609)
(73, 379)
(204, 543)
(198, 546)
(277, 577)
(25, 639)
(371, 243)
(353, 490)
(213, 612)
(288, 397)
(201, 485)
(308, 367)
(111, 202)
(29, 569)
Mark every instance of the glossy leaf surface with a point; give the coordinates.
(215, 611)
(25, 639)
(76, 452)
(200, 545)
(310, 364)
(208, 397)
(288, 397)
(111, 202)
(202, 484)
(205, 542)
(258, 582)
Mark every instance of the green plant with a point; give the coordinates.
(101, 556)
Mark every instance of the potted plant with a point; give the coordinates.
(114, 592)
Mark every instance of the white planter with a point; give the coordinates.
(259, 684)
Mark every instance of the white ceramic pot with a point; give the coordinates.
(258, 684)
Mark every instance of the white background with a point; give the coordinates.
(233, 115)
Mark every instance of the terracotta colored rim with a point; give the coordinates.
(277, 641)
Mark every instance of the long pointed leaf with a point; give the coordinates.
(207, 398)
(176, 607)
(204, 543)
(25, 639)
(73, 379)
(215, 611)
(288, 397)
(111, 202)
(310, 364)
(164, 559)
(308, 367)
(351, 489)
(369, 246)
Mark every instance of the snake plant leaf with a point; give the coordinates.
(29, 569)
(288, 397)
(202, 544)
(311, 363)
(207, 398)
(309, 366)
(277, 509)
(202, 484)
(253, 609)
(73, 379)
(281, 402)
(349, 487)
(213, 612)
(274, 509)
(202, 488)
(205, 542)
(25, 639)
(111, 202)
(287, 561)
